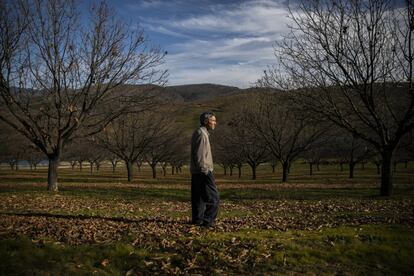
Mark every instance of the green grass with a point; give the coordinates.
(329, 175)
(367, 249)
(23, 256)
(232, 194)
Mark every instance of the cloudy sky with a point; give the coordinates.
(211, 41)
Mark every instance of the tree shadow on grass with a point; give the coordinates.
(130, 193)
(88, 217)
(311, 194)
(225, 194)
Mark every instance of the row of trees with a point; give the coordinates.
(267, 127)
(248, 135)
(261, 128)
(14, 148)
(149, 137)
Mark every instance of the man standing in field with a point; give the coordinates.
(204, 193)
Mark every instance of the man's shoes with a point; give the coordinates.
(198, 222)
(203, 223)
(207, 224)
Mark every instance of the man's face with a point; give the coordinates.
(211, 123)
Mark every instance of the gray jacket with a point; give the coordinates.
(201, 158)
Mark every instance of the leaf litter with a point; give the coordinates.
(148, 224)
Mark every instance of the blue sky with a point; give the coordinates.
(222, 42)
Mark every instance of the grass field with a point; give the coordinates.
(98, 223)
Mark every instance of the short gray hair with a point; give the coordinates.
(205, 116)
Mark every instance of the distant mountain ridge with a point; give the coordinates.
(202, 91)
(180, 93)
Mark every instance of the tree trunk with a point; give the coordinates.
(91, 165)
(239, 168)
(172, 170)
(80, 165)
(273, 168)
(395, 167)
(285, 171)
(317, 167)
(225, 170)
(310, 168)
(129, 170)
(351, 169)
(254, 167)
(386, 174)
(154, 170)
(378, 168)
(341, 165)
(164, 170)
(113, 167)
(231, 171)
(52, 173)
(362, 165)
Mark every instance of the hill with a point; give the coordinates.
(196, 92)
(223, 105)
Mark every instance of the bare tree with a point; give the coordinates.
(318, 152)
(164, 140)
(180, 153)
(376, 159)
(245, 143)
(273, 163)
(114, 159)
(56, 71)
(226, 153)
(127, 137)
(13, 147)
(139, 162)
(7, 156)
(94, 154)
(405, 151)
(352, 63)
(77, 152)
(33, 155)
(350, 149)
(286, 132)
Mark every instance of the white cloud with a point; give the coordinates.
(228, 45)
(163, 30)
(253, 18)
(143, 4)
(226, 61)
(226, 50)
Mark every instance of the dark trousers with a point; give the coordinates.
(204, 198)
